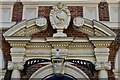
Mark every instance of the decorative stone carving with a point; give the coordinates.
(41, 21)
(15, 65)
(61, 51)
(78, 21)
(103, 66)
(60, 19)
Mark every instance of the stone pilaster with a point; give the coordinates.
(101, 52)
(16, 67)
(102, 68)
(17, 53)
(2, 65)
(102, 55)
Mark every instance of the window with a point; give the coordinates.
(30, 13)
(90, 13)
(6, 14)
(114, 14)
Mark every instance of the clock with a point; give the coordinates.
(41, 21)
(78, 21)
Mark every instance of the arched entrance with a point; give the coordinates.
(70, 73)
(59, 77)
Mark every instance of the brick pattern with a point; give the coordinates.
(31, 70)
(17, 11)
(6, 54)
(71, 32)
(6, 49)
(47, 33)
(87, 72)
(113, 48)
(44, 11)
(103, 11)
(76, 11)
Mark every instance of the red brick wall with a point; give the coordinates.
(44, 11)
(103, 11)
(87, 72)
(6, 50)
(31, 70)
(76, 11)
(17, 11)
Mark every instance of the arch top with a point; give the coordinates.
(27, 27)
(92, 27)
(69, 69)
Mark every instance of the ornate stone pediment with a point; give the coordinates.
(27, 27)
(92, 28)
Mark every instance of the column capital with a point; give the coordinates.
(17, 44)
(101, 41)
(103, 65)
(17, 54)
(15, 65)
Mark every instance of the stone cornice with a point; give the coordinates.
(96, 38)
(92, 27)
(51, 39)
(17, 38)
(47, 2)
(27, 27)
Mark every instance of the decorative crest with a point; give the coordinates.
(60, 19)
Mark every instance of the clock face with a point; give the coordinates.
(41, 21)
(60, 18)
(78, 21)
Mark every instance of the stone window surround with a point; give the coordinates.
(9, 6)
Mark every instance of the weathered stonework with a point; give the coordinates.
(90, 41)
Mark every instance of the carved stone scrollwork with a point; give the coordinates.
(15, 65)
(103, 66)
(42, 22)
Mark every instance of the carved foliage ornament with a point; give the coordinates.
(15, 65)
(103, 66)
(60, 16)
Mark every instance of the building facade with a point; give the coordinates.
(67, 39)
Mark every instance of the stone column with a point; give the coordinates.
(102, 68)
(2, 65)
(101, 52)
(16, 67)
(17, 53)
(102, 63)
